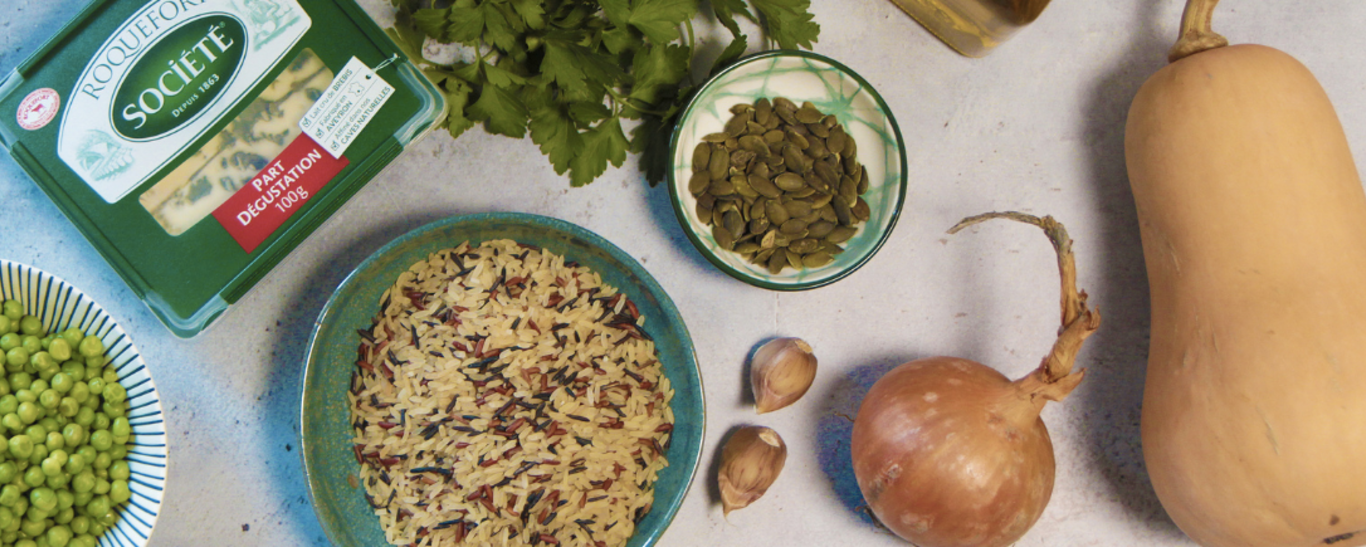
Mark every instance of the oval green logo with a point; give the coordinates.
(179, 77)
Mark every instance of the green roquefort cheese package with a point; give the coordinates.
(196, 142)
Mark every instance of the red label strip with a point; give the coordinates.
(254, 213)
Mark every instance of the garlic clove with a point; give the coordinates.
(781, 372)
(750, 461)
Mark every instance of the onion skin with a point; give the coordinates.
(946, 458)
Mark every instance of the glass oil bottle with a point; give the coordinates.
(973, 27)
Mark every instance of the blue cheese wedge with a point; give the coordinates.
(236, 154)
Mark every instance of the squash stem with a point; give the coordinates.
(1196, 32)
(1054, 379)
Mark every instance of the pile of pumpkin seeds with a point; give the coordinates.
(781, 185)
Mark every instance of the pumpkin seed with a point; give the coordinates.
(861, 210)
(819, 130)
(790, 182)
(804, 245)
(719, 163)
(797, 208)
(742, 186)
(835, 141)
(820, 201)
(794, 259)
(764, 186)
(828, 213)
(715, 137)
(817, 259)
(723, 237)
(820, 228)
(748, 247)
(701, 156)
(763, 110)
(862, 181)
(758, 225)
(817, 150)
(840, 234)
(777, 214)
(721, 187)
(769, 240)
(699, 182)
(733, 223)
(736, 126)
(777, 262)
(784, 103)
(808, 113)
(792, 227)
(797, 139)
(827, 173)
(843, 214)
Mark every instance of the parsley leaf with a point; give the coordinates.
(569, 71)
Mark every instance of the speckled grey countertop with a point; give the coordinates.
(1036, 126)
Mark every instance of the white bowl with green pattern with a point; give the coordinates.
(834, 89)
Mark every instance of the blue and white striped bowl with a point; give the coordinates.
(60, 306)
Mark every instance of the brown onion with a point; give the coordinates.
(949, 452)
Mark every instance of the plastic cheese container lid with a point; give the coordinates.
(196, 142)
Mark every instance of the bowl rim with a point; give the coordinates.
(137, 522)
(670, 507)
(683, 216)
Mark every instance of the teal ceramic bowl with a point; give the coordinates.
(325, 429)
(834, 89)
(60, 305)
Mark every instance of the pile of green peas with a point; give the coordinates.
(64, 435)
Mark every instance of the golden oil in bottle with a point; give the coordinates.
(973, 27)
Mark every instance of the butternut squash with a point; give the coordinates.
(1253, 222)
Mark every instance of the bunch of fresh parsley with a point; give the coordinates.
(570, 71)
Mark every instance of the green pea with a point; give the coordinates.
(75, 370)
(6, 516)
(101, 422)
(62, 383)
(121, 429)
(98, 506)
(73, 336)
(17, 357)
(4, 383)
(34, 477)
(20, 381)
(81, 498)
(55, 441)
(7, 473)
(31, 343)
(42, 498)
(58, 481)
(11, 340)
(60, 349)
(7, 325)
(36, 432)
(31, 325)
(49, 398)
(9, 403)
(80, 391)
(45, 361)
(83, 482)
(52, 467)
(20, 446)
(74, 465)
(64, 515)
(84, 540)
(101, 487)
(74, 435)
(26, 396)
(80, 524)
(95, 384)
(86, 416)
(68, 407)
(91, 346)
(32, 529)
(11, 493)
(25, 542)
(29, 412)
(12, 422)
(39, 452)
(14, 309)
(38, 385)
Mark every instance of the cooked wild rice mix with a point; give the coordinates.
(506, 397)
